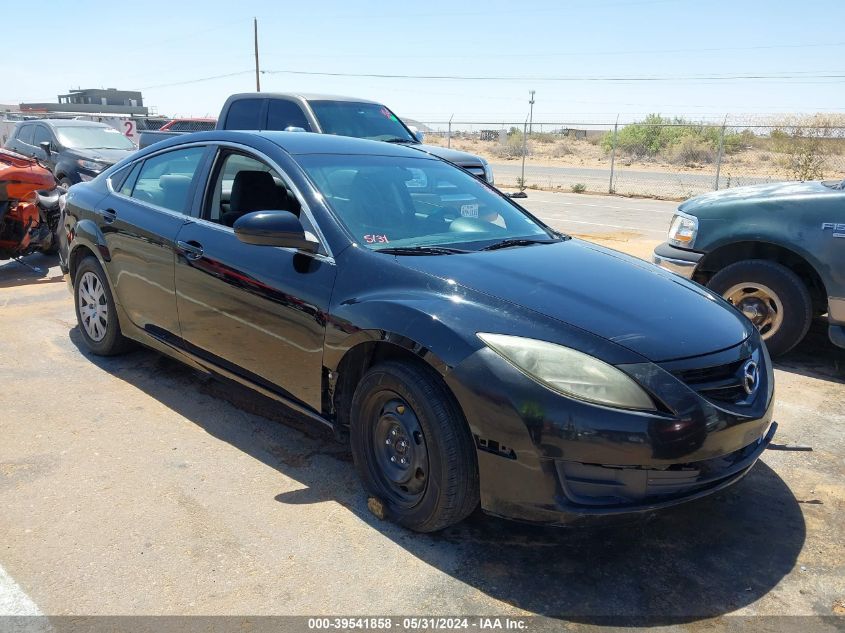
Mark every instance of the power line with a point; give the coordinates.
(198, 80)
(749, 77)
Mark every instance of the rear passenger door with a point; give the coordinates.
(139, 222)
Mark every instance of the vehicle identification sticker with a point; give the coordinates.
(469, 210)
(376, 239)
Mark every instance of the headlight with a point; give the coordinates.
(570, 372)
(91, 165)
(682, 230)
(488, 172)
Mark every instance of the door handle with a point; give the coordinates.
(109, 216)
(191, 250)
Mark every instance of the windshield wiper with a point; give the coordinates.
(520, 241)
(420, 250)
(396, 139)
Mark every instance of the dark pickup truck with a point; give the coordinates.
(775, 251)
(324, 114)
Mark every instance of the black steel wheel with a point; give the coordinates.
(412, 447)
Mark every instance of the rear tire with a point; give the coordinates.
(412, 447)
(95, 310)
(772, 296)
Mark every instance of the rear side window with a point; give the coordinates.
(244, 114)
(125, 179)
(282, 115)
(24, 134)
(165, 180)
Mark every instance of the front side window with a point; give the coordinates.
(408, 202)
(41, 135)
(243, 184)
(361, 120)
(92, 137)
(283, 115)
(165, 180)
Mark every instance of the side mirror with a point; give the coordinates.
(45, 145)
(418, 134)
(273, 228)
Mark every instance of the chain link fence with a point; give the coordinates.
(658, 156)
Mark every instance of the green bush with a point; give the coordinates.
(656, 135)
(512, 147)
(579, 187)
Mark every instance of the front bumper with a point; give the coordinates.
(676, 260)
(549, 459)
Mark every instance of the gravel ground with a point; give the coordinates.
(132, 486)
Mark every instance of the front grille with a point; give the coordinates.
(723, 382)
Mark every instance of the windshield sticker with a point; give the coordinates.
(469, 210)
(387, 113)
(376, 239)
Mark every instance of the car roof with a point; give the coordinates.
(307, 96)
(69, 123)
(312, 143)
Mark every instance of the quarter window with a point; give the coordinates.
(165, 180)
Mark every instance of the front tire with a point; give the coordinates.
(773, 297)
(95, 310)
(412, 447)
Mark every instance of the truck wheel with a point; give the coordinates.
(412, 448)
(773, 297)
(95, 310)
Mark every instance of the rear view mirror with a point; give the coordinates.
(45, 145)
(418, 134)
(273, 228)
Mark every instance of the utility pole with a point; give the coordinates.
(531, 113)
(257, 72)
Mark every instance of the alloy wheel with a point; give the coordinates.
(93, 306)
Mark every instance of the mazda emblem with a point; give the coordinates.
(750, 376)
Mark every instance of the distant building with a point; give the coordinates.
(91, 100)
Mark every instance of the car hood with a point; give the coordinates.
(774, 192)
(452, 155)
(623, 299)
(109, 156)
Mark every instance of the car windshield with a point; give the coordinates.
(92, 137)
(409, 202)
(361, 120)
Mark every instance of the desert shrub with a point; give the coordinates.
(511, 148)
(657, 136)
(560, 149)
(807, 142)
(690, 150)
(579, 187)
(545, 138)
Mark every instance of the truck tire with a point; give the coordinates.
(773, 297)
(412, 447)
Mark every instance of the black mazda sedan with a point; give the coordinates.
(468, 353)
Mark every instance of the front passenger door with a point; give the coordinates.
(256, 311)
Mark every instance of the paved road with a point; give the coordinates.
(602, 215)
(626, 181)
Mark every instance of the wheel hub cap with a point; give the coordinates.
(760, 304)
(93, 306)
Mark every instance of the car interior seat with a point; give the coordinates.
(257, 191)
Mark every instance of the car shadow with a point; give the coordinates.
(14, 273)
(696, 561)
(816, 356)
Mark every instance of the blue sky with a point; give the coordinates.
(160, 50)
